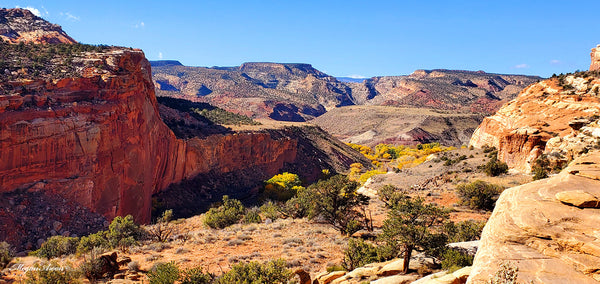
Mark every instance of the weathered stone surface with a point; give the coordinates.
(469, 248)
(326, 277)
(396, 279)
(550, 242)
(595, 65)
(521, 129)
(578, 198)
(392, 268)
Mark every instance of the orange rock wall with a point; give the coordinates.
(521, 128)
(99, 140)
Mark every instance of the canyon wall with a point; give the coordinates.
(98, 140)
(543, 111)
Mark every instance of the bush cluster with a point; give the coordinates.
(230, 212)
(122, 232)
(52, 273)
(494, 167)
(163, 273)
(479, 194)
(453, 260)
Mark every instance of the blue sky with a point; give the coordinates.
(342, 38)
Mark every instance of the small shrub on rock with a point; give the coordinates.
(479, 194)
(6, 254)
(229, 213)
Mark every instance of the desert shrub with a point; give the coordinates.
(540, 168)
(93, 267)
(494, 167)
(56, 246)
(196, 276)
(52, 273)
(6, 254)
(464, 231)
(479, 194)
(358, 254)
(390, 195)
(163, 229)
(89, 242)
(453, 260)
(270, 210)
(163, 273)
(124, 232)
(274, 271)
(364, 177)
(229, 213)
(336, 202)
(282, 187)
(252, 216)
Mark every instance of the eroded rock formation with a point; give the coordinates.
(537, 228)
(543, 111)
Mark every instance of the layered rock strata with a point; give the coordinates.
(547, 229)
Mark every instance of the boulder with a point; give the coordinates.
(326, 278)
(547, 240)
(578, 198)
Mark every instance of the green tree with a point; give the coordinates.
(495, 167)
(414, 225)
(124, 232)
(336, 201)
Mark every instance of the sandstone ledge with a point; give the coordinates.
(550, 242)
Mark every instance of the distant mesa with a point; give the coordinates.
(158, 63)
(21, 25)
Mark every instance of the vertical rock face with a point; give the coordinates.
(522, 127)
(98, 140)
(595, 58)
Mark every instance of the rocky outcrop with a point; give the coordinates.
(97, 140)
(595, 65)
(548, 239)
(21, 25)
(543, 112)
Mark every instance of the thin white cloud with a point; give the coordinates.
(160, 56)
(555, 61)
(33, 10)
(355, 76)
(140, 25)
(521, 66)
(69, 16)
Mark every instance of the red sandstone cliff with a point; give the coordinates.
(522, 127)
(98, 140)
